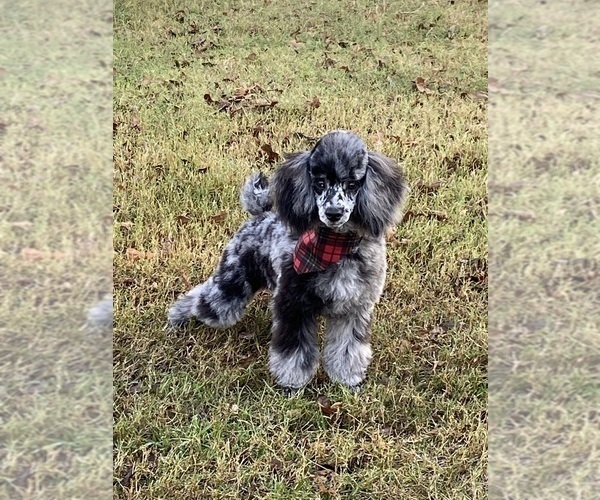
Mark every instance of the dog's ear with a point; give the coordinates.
(380, 198)
(292, 192)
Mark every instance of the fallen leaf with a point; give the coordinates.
(476, 96)
(242, 92)
(441, 216)
(433, 214)
(183, 219)
(241, 98)
(220, 217)
(421, 85)
(380, 140)
(276, 465)
(427, 188)
(327, 407)
(399, 242)
(133, 254)
(186, 281)
(328, 63)
(296, 44)
(314, 103)
(33, 254)
(209, 99)
(126, 479)
(135, 121)
(257, 129)
(270, 155)
(323, 479)
(263, 104)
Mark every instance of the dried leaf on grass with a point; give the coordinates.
(183, 219)
(427, 187)
(476, 96)
(218, 217)
(421, 85)
(134, 122)
(241, 98)
(133, 254)
(432, 214)
(266, 152)
(327, 407)
(33, 254)
(314, 103)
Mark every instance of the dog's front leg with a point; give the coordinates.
(294, 353)
(347, 352)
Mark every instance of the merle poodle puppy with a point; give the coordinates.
(321, 250)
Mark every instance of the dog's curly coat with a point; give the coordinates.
(339, 185)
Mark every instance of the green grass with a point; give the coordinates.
(55, 248)
(544, 205)
(196, 412)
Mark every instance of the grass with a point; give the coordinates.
(207, 92)
(55, 248)
(544, 199)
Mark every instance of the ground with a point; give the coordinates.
(544, 204)
(55, 248)
(204, 95)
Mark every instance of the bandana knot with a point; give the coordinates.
(319, 248)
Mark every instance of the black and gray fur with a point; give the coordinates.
(340, 185)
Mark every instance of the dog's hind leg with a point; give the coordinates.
(221, 301)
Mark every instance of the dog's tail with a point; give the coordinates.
(256, 196)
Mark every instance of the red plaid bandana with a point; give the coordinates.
(317, 249)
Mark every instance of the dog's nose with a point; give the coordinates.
(334, 214)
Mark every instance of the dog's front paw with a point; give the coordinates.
(293, 370)
(290, 392)
(355, 389)
(348, 367)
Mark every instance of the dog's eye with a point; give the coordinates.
(352, 185)
(320, 184)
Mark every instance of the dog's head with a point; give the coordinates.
(341, 185)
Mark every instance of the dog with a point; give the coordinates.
(317, 241)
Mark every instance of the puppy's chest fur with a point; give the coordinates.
(354, 282)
